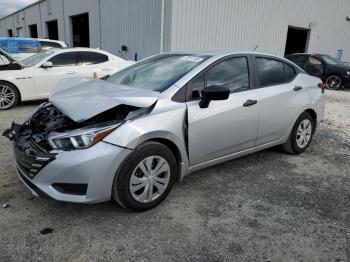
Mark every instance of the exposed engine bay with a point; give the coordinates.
(47, 119)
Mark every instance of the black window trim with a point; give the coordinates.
(257, 76)
(252, 83)
(76, 58)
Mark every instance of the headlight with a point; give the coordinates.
(80, 138)
(348, 73)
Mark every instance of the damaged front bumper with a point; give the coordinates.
(81, 176)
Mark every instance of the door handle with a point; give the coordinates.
(107, 69)
(297, 88)
(250, 102)
(70, 73)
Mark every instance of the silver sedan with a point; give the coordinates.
(130, 136)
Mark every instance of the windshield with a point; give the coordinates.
(157, 73)
(35, 59)
(330, 60)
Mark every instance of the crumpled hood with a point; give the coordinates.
(83, 98)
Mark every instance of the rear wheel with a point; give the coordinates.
(146, 177)
(301, 134)
(334, 82)
(9, 95)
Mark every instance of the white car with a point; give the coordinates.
(35, 77)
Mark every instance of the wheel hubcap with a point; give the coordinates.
(304, 133)
(7, 97)
(333, 82)
(149, 179)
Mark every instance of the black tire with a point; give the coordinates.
(338, 84)
(11, 89)
(121, 191)
(291, 146)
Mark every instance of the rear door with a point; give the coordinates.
(94, 63)
(64, 66)
(226, 126)
(281, 95)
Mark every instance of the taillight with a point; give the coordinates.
(322, 86)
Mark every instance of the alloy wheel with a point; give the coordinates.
(149, 179)
(304, 133)
(7, 97)
(333, 82)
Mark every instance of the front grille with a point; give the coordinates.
(29, 157)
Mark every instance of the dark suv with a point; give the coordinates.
(332, 71)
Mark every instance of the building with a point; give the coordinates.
(140, 28)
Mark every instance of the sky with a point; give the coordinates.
(10, 6)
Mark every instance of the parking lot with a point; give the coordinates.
(269, 206)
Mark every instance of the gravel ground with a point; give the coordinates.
(268, 206)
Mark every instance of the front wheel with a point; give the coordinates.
(9, 96)
(146, 177)
(334, 82)
(301, 134)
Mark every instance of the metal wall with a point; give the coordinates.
(32, 16)
(112, 23)
(77, 7)
(51, 10)
(193, 24)
(243, 24)
(133, 23)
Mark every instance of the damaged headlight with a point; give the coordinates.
(80, 138)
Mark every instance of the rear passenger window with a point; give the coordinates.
(92, 58)
(64, 59)
(290, 72)
(313, 61)
(299, 60)
(271, 72)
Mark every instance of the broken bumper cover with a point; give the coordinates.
(91, 170)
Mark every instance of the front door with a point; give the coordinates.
(64, 66)
(226, 126)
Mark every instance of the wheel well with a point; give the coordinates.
(19, 93)
(313, 115)
(174, 149)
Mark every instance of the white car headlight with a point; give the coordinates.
(348, 73)
(80, 138)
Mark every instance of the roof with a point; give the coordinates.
(220, 52)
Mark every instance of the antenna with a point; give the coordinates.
(256, 47)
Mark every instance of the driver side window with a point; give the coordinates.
(231, 73)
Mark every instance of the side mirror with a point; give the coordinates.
(47, 65)
(213, 92)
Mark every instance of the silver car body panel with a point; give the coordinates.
(95, 166)
(83, 98)
(202, 136)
